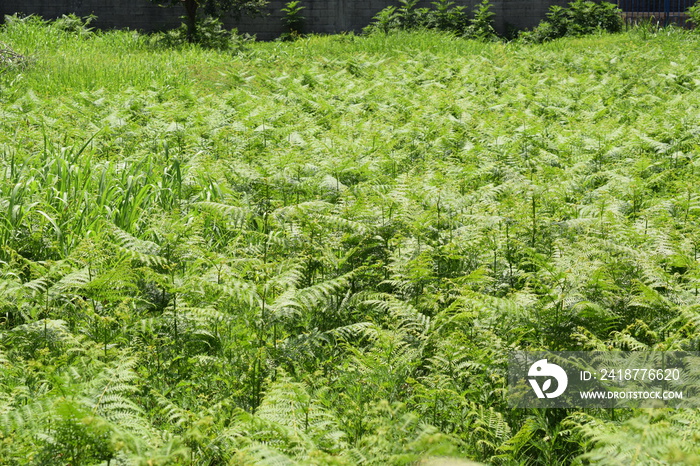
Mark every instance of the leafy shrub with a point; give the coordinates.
(393, 18)
(74, 24)
(384, 21)
(209, 34)
(444, 16)
(293, 20)
(580, 18)
(409, 16)
(543, 32)
(481, 25)
(586, 17)
(447, 17)
(694, 13)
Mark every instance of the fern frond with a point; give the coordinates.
(356, 332)
(144, 251)
(175, 415)
(405, 315)
(74, 281)
(321, 292)
(238, 215)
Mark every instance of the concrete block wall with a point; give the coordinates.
(132, 14)
(322, 16)
(333, 16)
(520, 14)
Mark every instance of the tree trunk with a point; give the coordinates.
(191, 9)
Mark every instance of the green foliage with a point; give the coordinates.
(665, 435)
(444, 16)
(384, 21)
(293, 20)
(409, 16)
(694, 14)
(209, 34)
(216, 8)
(447, 17)
(323, 251)
(9, 59)
(213, 9)
(579, 18)
(73, 24)
(481, 25)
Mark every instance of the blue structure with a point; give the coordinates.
(660, 11)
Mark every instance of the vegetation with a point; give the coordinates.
(444, 16)
(210, 33)
(694, 14)
(581, 17)
(322, 251)
(293, 20)
(213, 10)
(9, 58)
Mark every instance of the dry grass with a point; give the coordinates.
(9, 57)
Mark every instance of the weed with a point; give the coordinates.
(293, 20)
(76, 25)
(579, 18)
(481, 25)
(444, 16)
(209, 34)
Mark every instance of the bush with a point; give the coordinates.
(293, 20)
(209, 34)
(580, 18)
(444, 16)
(75, 25)
(481, 25)
(408, 16)
(694, 13)
(384, 21)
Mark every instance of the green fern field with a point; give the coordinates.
(322, 252)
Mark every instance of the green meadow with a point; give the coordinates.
(323, 251)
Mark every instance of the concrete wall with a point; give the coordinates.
(324, 16)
